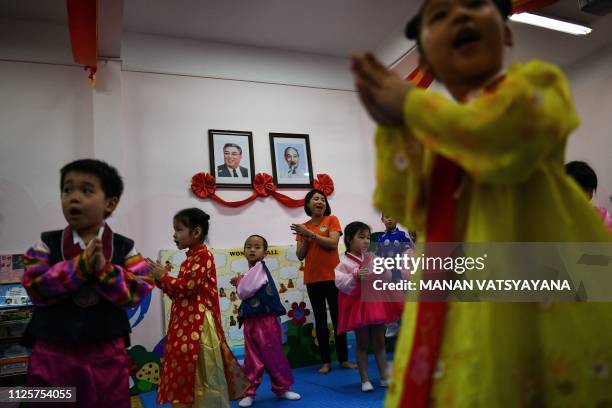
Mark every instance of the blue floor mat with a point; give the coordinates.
(340, 388)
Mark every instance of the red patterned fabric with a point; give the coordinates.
(193, 292)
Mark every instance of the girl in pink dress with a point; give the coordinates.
(367, 319)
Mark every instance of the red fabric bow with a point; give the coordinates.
(324, 183)
(263, 184)
(203, 185)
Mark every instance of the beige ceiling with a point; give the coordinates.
(327, 27)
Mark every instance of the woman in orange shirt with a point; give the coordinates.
(317, 244)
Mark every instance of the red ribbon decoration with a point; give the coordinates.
(203, 185)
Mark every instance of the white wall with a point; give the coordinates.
(591, 81)
(154, 53)
(45, 120)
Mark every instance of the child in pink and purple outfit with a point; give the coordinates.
(259, 311)
(365, 318)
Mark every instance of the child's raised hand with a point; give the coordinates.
(381, 91)
(90, 251)
(363, 272)
(157, 270)
(95, 254)
(100, 260)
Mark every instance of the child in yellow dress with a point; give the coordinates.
(486, 167)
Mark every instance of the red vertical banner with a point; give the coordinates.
(83, 26)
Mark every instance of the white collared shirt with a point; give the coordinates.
(76, 238)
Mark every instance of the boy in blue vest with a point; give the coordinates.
(393, 242)
(80, 280)
(261, 304)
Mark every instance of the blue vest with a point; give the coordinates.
(67, 321)
(265, 301)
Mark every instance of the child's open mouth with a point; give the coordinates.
(465, 37)
(74, 212)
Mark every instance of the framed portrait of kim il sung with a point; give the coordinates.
(231, 158)
(291, 160)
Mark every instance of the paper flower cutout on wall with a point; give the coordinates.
(298, 313)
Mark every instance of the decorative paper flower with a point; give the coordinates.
(203, 185)
(263, 184)
(324, 183)
(298, 313)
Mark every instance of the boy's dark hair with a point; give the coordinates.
(309, 196)
(265, 242)
(110, 180)
(413, 28)
(353, 229)
(192, 218)
(583, 174)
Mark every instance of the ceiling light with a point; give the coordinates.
(550, 23)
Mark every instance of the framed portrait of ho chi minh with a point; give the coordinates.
(291, 160)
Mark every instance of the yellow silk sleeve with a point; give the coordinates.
(502, 136)
(402, 167)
